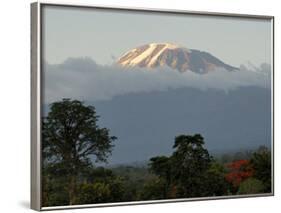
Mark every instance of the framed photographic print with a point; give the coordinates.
(134, 105)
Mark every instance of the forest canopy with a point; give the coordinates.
(74, 145)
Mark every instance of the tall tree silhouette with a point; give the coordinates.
(191, 161)
(72, 139)
(187, 171)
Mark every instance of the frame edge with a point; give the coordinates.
(152, 9)
(35, 156)
(36, 194)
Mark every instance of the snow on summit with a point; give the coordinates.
(172, 55)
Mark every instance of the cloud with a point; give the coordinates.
(83, 79)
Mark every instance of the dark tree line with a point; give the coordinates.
(73, 143)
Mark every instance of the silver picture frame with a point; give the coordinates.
(36, 101)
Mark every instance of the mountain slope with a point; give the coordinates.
(147, 123)
(174, 56)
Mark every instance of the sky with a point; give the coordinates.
(104, 35)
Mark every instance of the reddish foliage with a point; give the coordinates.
(238, 171)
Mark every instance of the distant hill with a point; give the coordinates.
(147, 123)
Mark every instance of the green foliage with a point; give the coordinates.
(71, 134)
(108, 187)
(71, 138)
(190, 156)
(251, 186)
(154, 189)
(73, 142)
(99, 174)
(161, 166)
(188, 172)
(94, 193)
(54, 193)
(134, 178)
(215, 182)
(261, 162)
(190, 162)
(117, 189)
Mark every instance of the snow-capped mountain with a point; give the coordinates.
(174, 56)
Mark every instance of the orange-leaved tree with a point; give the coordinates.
(239, 171)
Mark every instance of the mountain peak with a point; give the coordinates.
(172, 55)
(166, 45)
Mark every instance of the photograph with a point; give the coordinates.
(145, 106)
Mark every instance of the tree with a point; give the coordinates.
(190, 162)
(161, 166)
(53, 185)
(113, 182)
(98, 192)
(186, 172)
(110, 189)
(72, 138)
(251, 186)
(239, 171)
(215, 182)
(261, 162)
(154, 189)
